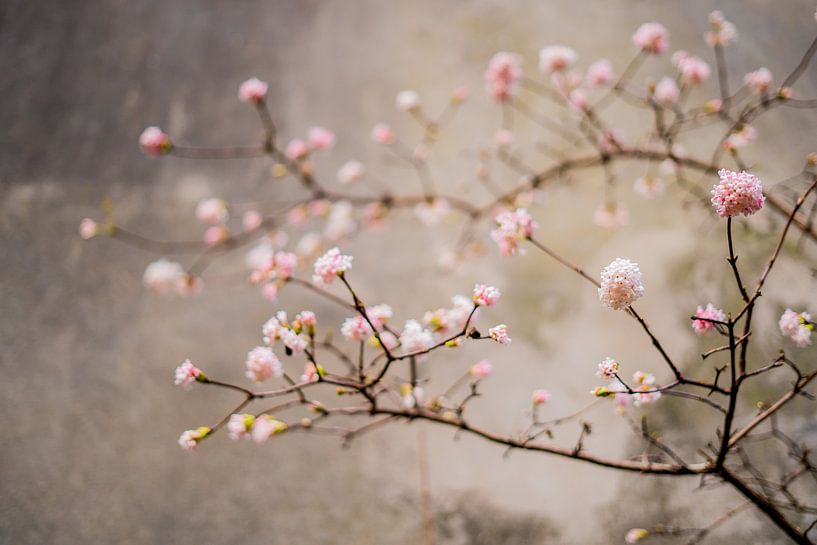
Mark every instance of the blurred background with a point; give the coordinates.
(88, 452)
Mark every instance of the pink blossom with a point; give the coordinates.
(481, 369)
(310, 373)
(382, 134)
(265, 426)
(502, 76)
(600, 73)
(412, 395)
(759, 80)
(262, 364)
(540, 397)
(379, 315)
(645, 389)
(306, 318)
(356, 328)
(611, 215)
(253, 90)
(499, 333)
(212, 211)
(321, 138)
(710, 313)
(190, 439)
(485, 295)
(737, 193)
(620, 284)
(239, 426)
(407, 100)
(460, 94)
(330, 265)
(216, 234)
(607, 368)
(88, 228)
(163, 276)
(387, 339)
(666, 92)
(350, 172)
(797, 327)
(296, 149)
(634, 535)
(693, 70)
(252, 220)
(652, 38)
(295, 342)
(649, 186)
(187, 374)
(723, 32)
(556, 58)
(512, 226)
(272, 328)
(415, 338)
(154, 141)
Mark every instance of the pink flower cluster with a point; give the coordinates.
(291, 335)
(723, 32)
(190, 439)
(540, 397)
(330, 265)
(737, 193)
(415, 338)
(212, 211)
(164, 276)
(187, 374)
(356, 328)
(759, 80)
(262, 364)
(607, 368)
(556, 58)
(485, 295)
(797, 326)
(499, 333)
(620, 284)
(652, 38)
(253, 90)
(445, 321)
(154, 141)
(482, 369)
(502, 76)
(512, 226)
(710, 313)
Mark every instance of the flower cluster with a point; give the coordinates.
(502, 76)
(709, 313)
(485, 295)
(330, 265)
(620, 284)
(797, 326)
(737, 193)
(499, 333)
(651, 38)
(262, 363)
(187, 374)
(512, 226)
(607, 368)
